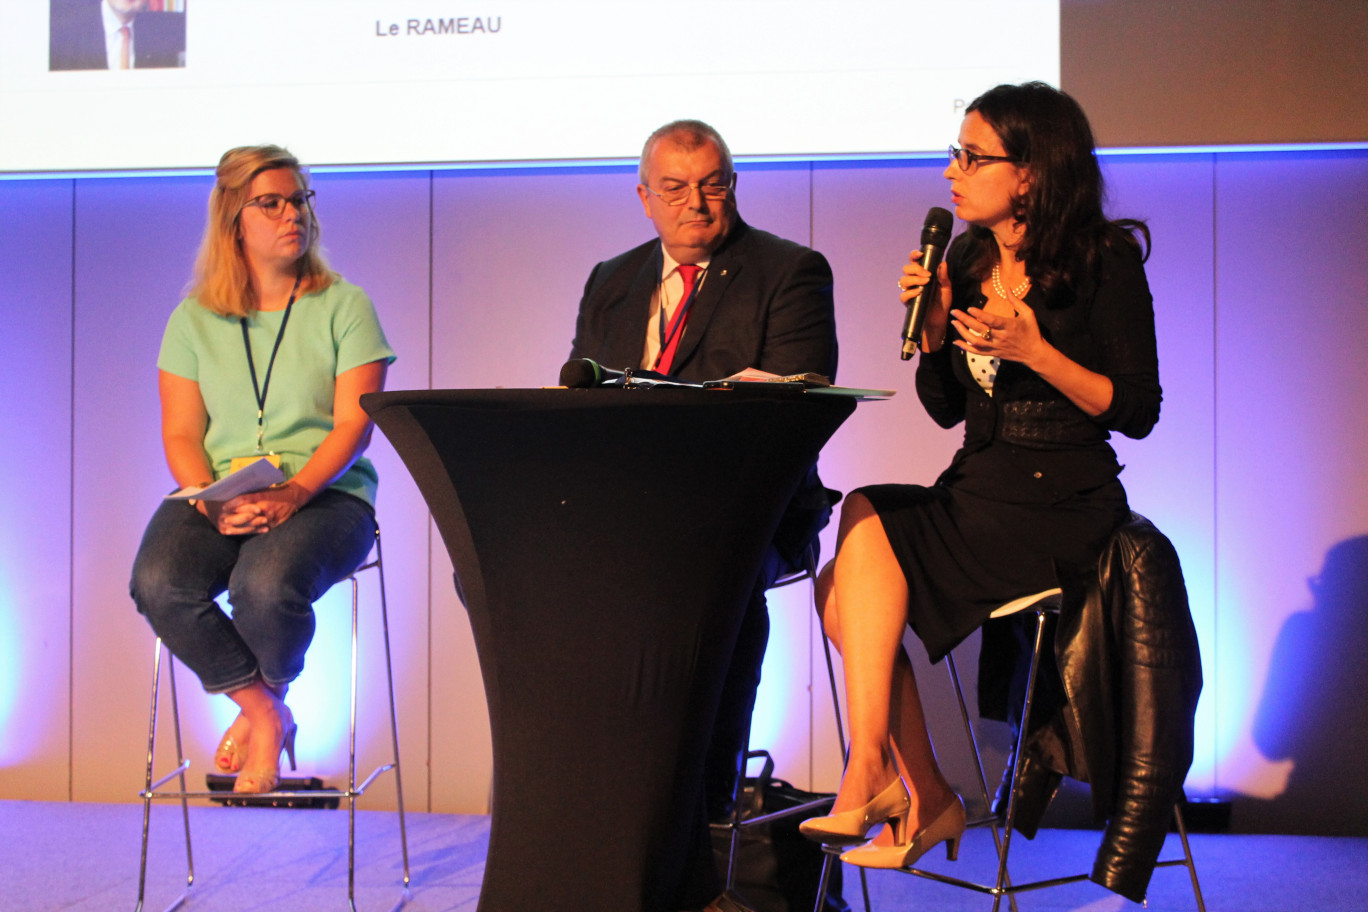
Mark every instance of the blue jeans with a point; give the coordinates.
(272, 579)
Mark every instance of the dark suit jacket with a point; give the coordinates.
(76, 37)
(766, 303)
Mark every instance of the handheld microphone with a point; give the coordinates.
(935, 237)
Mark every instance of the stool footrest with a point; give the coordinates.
(184, 766)
(807, 807)
(1012, 889)
(991, 890)
(294, 791)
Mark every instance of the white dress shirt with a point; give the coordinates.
(669, 293)
(114, 40)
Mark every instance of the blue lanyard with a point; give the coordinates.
(265, 386)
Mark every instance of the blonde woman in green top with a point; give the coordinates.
(266, 358)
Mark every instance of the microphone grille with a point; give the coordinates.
(579, 373)
(937, 226)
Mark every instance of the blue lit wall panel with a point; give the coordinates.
(867, 218)
(35, 461)
(1292, 496)
(776, 198)
(140, 280)
(135, 241)
(1169, 475)
(375, 231)
(512, 250)
(1252, 471)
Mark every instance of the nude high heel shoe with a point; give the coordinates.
(947, 828)
(257, 781)
(890, 806)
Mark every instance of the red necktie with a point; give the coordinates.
(125, 40)
(689, 273)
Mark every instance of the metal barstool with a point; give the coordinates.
(152, 789)
(1042, 605)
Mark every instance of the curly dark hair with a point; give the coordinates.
(1066, 229)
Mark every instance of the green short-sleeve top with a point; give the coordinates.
(329, 332)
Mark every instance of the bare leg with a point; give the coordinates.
(912, 748)
(862, 597)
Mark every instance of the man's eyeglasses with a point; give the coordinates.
(676, 193)
(272, 205)
(969, 161)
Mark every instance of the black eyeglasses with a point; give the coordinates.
(676, 193)
(272, 205)
(969, 161)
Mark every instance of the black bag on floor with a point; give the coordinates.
(778, 869)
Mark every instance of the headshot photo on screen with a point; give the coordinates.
(116, 34)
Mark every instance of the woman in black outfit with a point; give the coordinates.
(1042, 342)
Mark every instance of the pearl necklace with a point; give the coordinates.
(1017, 292)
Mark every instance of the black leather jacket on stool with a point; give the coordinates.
(1117, 709)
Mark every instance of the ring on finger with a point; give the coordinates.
(987, 334)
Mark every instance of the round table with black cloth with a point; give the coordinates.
(605, 542)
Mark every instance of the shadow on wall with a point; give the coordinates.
(1314, 710)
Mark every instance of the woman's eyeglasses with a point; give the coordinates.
(969, 161)
(272, 205)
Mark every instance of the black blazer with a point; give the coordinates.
(766, 303)
(1030, 444)
(76, 37)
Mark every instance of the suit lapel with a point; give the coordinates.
(722, 270)
(629, 327)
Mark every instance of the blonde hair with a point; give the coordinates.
(221, 282)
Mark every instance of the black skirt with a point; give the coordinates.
(965, 555)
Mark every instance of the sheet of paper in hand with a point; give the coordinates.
(253, 477)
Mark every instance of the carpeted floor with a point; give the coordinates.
(84, 858)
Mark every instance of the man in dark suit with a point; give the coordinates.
(86, 35)
(757, 301)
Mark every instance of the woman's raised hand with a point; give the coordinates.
(1012, 338)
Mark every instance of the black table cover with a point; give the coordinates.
(605, 542)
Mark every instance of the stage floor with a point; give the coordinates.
(84, 858)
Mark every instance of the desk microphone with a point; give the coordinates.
(934, 238)
(582, 373)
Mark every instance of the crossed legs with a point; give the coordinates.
(273, 579)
